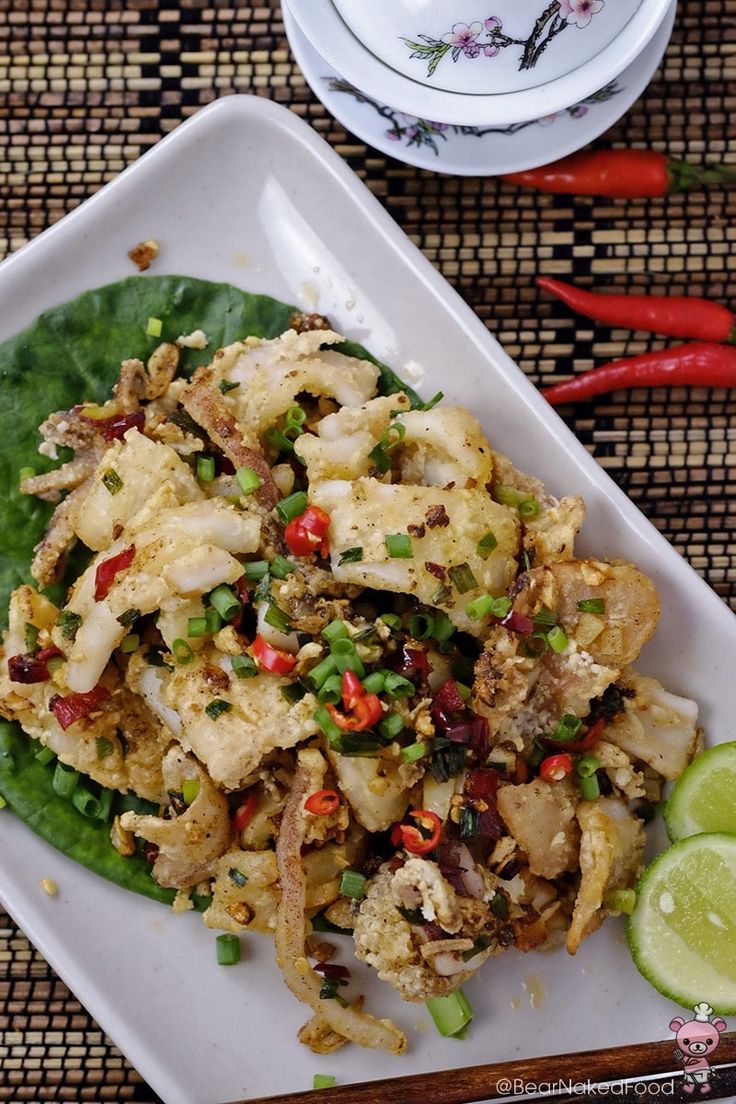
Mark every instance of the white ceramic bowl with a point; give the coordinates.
(456, 62)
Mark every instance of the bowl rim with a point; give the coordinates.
(331, 37)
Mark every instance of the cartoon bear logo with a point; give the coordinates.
(696, 1039)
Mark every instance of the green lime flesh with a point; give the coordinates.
(682, 933)
(704, 797)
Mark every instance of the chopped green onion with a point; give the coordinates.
(86, 802)
(567, 728)
(381, 459)
(486, 545)
(281, 567)
(130, 643)
(181, 651)
(212, 621)
(216, 708)
(621, 900)
(225, 602)
(278, 440)
(322, 671)
(256, 570)
(441, 595)
(363, 636)
(45, 756)
(228, 949)
(396, 686)
(237, 876)
(244, 666)
(323, 1081)
(248, 480)
(442, 627)
(462, 578)
(336, 630)
(352, 884)
(296, 416)
(31, 638)
(509, 496)
(293, 693)
(482, 943)
(433, 401)
(587, 765)
(65, 780)
(375, 682)
(331, 690)
(451, 1014)
(325, 723)
(68, 623)
(545, 618)
(346, 657)
(393, 436)
(421, 626)
(205, 469)
(277, 619)
(499, 905)
(196, 627)
(592, 605)
(128, 617)
(104, 747)
(226, 386)
(589, 788)
(391, 725)
(392, 620)
(26, 473)
(488, 605)
(112, 481)
(529, 509)
(535, 645)
(189, 790)
(399, 546)
(556, 639)
(292, 506)
(154, 327)
(463, 690)
(413, 752)
(351, 555)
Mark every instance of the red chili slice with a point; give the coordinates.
(272, 659)
(74, 707)
(556, 767)
(32, 668)
(366, 712)
(108, 569)
(307, 533)
(115, 427)
(352, 689)
(323, 802)
(415, 841)
(244, 813)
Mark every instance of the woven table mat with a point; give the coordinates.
(87, 86)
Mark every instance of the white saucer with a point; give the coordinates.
(477, 150)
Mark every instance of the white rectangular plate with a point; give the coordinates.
(247, 193)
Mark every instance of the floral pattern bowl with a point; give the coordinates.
(479, 62)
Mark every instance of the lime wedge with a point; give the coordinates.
(682, 933)
(704, 797)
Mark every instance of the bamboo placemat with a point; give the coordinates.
(86, 86)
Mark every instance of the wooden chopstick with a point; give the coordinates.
(496, 1081)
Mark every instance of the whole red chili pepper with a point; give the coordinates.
(697, 365)
(676, 315)
(621, 174)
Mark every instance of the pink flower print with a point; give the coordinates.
(494, 23)
(565, 8)
(471, 49)
(490, 51)
(578, 111)
(582, 11)
(463, 35)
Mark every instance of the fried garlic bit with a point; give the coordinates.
(48, 885)
(143, 254)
